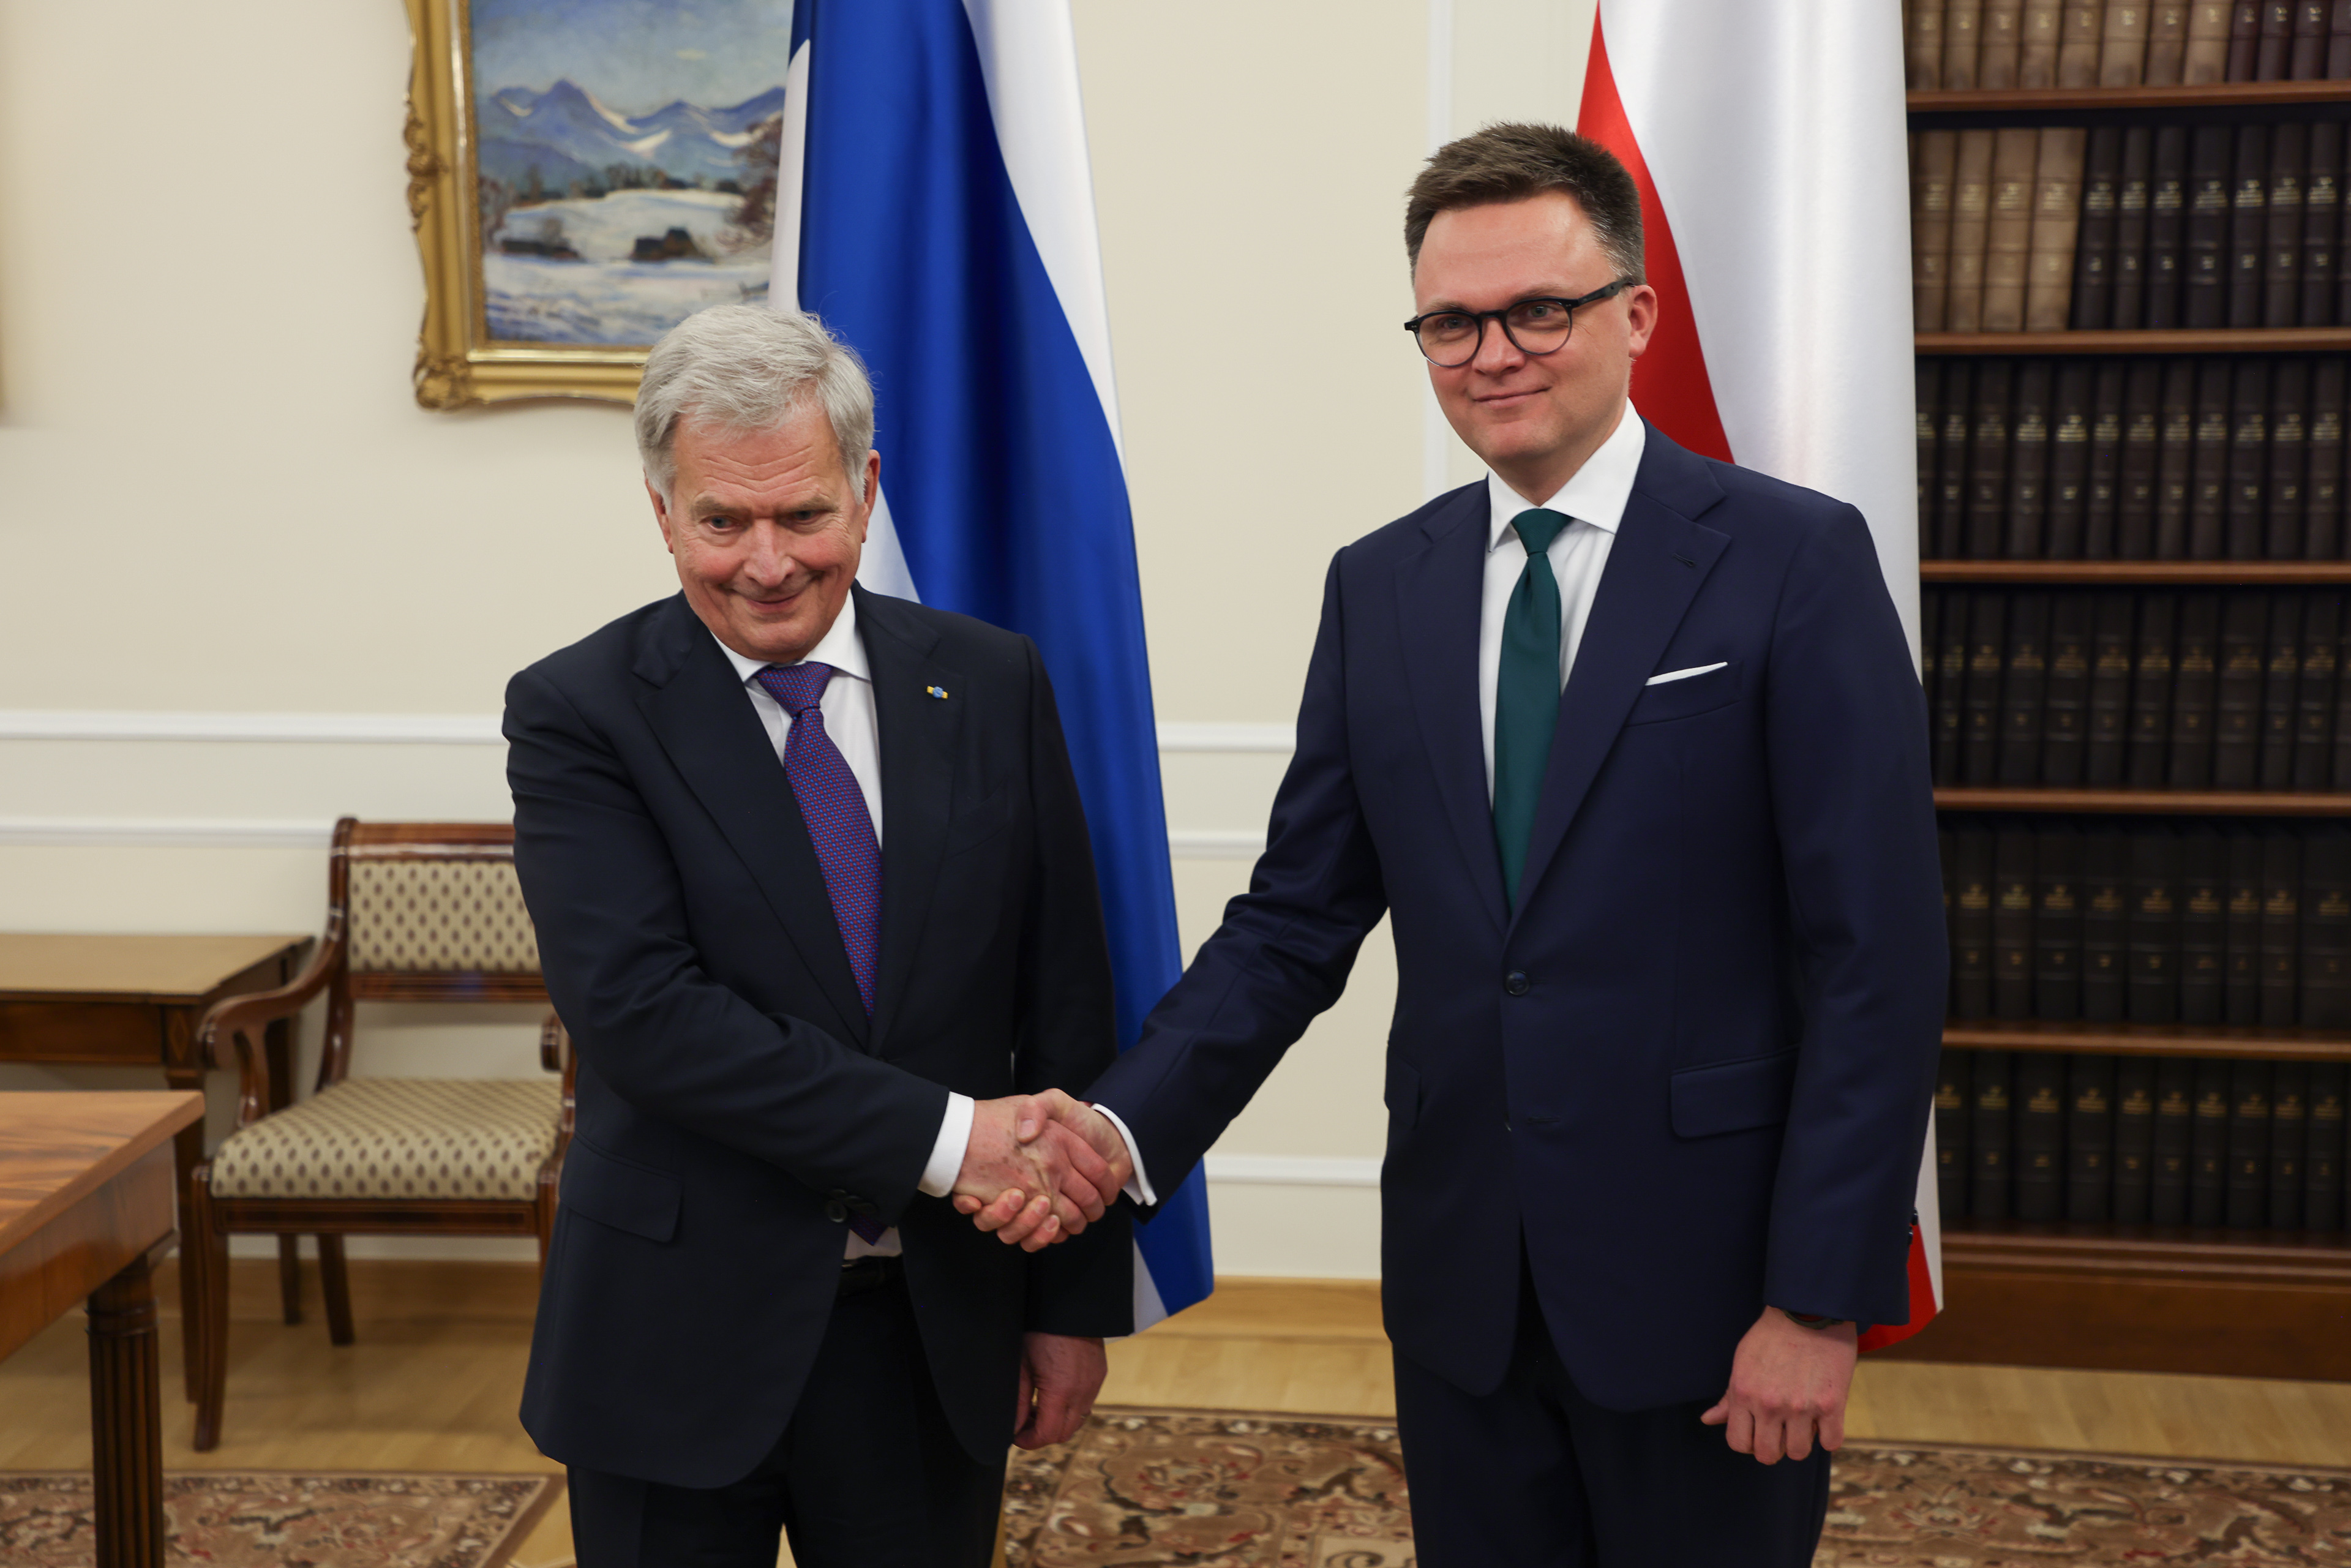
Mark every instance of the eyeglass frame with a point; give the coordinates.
(1501, 318)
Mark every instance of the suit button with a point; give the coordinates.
(837, 1211)
(1517, 983)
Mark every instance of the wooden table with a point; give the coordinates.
(86, 1196)
(135, 1001)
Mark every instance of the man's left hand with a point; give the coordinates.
(1060, 1376)
(1788, 1389)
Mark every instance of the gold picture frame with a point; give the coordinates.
(459, 363)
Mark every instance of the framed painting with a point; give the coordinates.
(582, 175)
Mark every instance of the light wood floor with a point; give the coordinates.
(436, 1376)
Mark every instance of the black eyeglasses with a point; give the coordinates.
(1450, 339)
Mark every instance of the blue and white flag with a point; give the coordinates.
(934, 207)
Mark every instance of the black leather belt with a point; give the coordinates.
(862, 1275)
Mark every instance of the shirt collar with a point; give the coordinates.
(841, 647)
(1596, 494)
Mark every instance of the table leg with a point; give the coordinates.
(126, 1420)
(187, 1154)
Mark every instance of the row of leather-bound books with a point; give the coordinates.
(2133, 1140)
(1963, 43)
(2111, 227)
(2113, 688)
(2204, 457)
(2149, 922)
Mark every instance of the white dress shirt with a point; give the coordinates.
(847, 709)
(1595, 499)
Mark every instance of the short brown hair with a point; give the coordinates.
(1512, 161)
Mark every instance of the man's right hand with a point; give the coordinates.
(1023, 1163)
(1051, 1113)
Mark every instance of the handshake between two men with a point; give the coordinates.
(1040, 1168)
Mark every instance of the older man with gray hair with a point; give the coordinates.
(814, 897)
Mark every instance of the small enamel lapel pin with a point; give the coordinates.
(938, 692)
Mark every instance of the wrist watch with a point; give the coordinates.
(1812, 1319)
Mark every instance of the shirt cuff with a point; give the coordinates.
(947, 1154)
(1139, 1190)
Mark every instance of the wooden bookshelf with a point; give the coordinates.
(1980, 104)
(2050, 801)
(2143, 341)
(2145, 573)
(2151, 1039)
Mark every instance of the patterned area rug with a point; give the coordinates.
(1208, 1491)
(247, 1520)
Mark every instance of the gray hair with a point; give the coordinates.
(744, 368)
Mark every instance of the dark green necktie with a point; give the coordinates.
(1526, 694)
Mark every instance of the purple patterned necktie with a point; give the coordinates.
(841, 827)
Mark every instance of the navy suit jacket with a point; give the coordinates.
(1693, 1070)
(736, 1103)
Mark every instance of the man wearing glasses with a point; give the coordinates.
(1628, 744)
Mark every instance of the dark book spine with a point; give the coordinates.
(2193, 691)
(1988, 462)
(1952, 1083)
(2132, 197)
(2040, 1098)
(2203, 922)
(1987, 656)
(2288, 506)
(2207, 497)
(1951, 461)
(2064, 720)
(2313, 736)
(2057, 922)
(2338, 41)
(1947, 858)
(2106, 462)
(2322, 207)
(2249, 1144)
(2150, 715)
(2169, 200)
(2175, 462)
(2208, 1161)
(2322, 468)
(2274, 52)
(1929, 400)
(2089, 1138)
(2133, 1155)
(2242, 990)
(2204, 301)
(2308, 62)
(2281, 926)
(2248, 224)
(2249, 458)
(2024, 689)
(2343, 711)
(2112, 648)
(2281, 685)
(2172, 1158)
(2244, 653)
(2282, 244)
(2154, 923)
(2142, 435)
(2289, 1140)
(1988, 1138)
(2028, 461)
(1950, 682)
(2094, 242)
(1971, 924)
(2013, 887)
(2326, 980)
(2106, 923)
(2069, 460)
(2245, 40)
(2322, 1158)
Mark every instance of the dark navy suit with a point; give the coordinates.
(1690, 1075)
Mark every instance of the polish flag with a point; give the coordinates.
(1769, 143)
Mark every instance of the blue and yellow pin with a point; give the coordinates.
(938, 692)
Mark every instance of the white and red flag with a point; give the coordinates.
(1768, 145)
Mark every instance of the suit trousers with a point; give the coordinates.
(1534, 1475)
(866, 1475)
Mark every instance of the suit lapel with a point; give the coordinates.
(704, 721)
(918, 734)
(1439, 594)
(1659, 561)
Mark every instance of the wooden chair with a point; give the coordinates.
(416, 912)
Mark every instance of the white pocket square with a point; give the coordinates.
(1686, 674)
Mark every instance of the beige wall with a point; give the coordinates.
(216, 496)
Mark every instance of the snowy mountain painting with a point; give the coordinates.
(626, 156)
